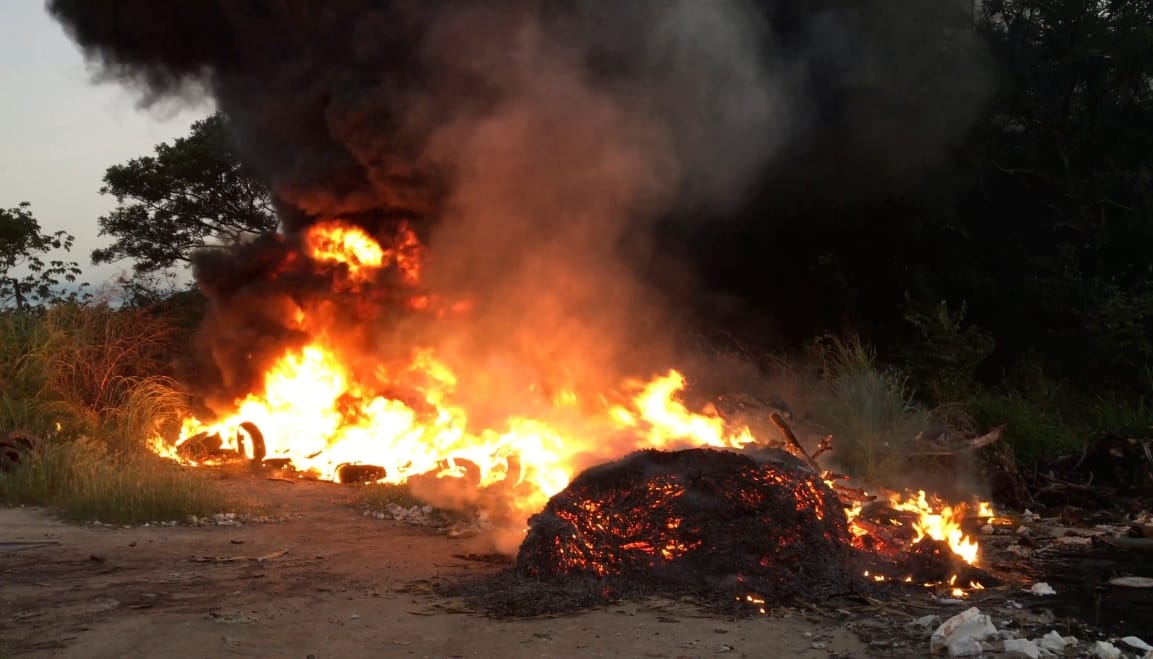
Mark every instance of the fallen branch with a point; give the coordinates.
(792, 443)
(975, 444)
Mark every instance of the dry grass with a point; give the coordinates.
(89, 381)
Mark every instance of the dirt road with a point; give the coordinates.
(322, 581)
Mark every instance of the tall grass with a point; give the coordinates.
(83, 480)
(91, 381)
(870, 410)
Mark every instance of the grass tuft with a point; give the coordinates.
(83, 480)
(379, 496)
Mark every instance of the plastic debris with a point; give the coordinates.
(927, 621)
(1136, 643)
(1042, 588)
(1020, 648)
(969, 624)
(1054, 642)
(1132, 582)
(965, 646)
(1106, 650)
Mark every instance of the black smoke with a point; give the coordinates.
(538, 145)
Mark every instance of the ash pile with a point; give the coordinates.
(718, 525)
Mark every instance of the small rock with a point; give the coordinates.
(987, 529)
(1020, 648)
(1042, 588)
(1106, 650)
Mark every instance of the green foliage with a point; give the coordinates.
(945, 351)
(83, 480)
(869, 410)
(27, 280)
(192, 194)
(89, 381)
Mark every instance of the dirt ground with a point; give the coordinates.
(325, 581)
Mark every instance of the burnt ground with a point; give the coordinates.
(324, 580)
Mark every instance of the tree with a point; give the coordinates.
(191, 195)
(27, 280)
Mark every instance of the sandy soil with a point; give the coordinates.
(324, 581)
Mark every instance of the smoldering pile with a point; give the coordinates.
(730, 529)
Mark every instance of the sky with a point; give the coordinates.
(59, 130)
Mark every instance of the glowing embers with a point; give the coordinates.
(700, 520)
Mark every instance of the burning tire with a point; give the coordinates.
(699, 521)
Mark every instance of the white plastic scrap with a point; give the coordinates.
(1042, 588)
(1136, 643)
(1021, 648)
(969, 624)
(965, 646)
(1106, 650)
(926, 621)
(1054, 642)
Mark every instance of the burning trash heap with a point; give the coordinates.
(467, 194)
(697, 520)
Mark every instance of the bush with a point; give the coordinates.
(90, 381)
(83, 480)
(869, 410)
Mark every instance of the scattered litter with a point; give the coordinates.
(1021, 648)
(1054, 642)
(231, 618)
(237, 559)
(962, 633)
(965, 646)
(1042, 588)
(1132, 582)
(927, 621)
(1106, 650)
(1136, 643)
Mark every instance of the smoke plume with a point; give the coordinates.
(530, 142)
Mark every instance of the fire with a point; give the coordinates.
(337, 242)
(940, 522)
(334, 241)
(320, 407)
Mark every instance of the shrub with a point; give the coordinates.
(83, 480)
(869, 410)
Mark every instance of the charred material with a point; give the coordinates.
(359, 474)
(700, 521)
(15, 445)
(255, 438)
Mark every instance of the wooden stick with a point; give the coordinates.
(791, 440)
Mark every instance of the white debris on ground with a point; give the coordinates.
(427, 516)
(972, 633)
(962, 634)
(1042, 588)
(219, 519)
(1106, 650)
(1137, 644)
(1022, 648)
(416, 515)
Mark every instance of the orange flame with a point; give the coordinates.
(940, 522)
(337, 242)
(316, 411)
